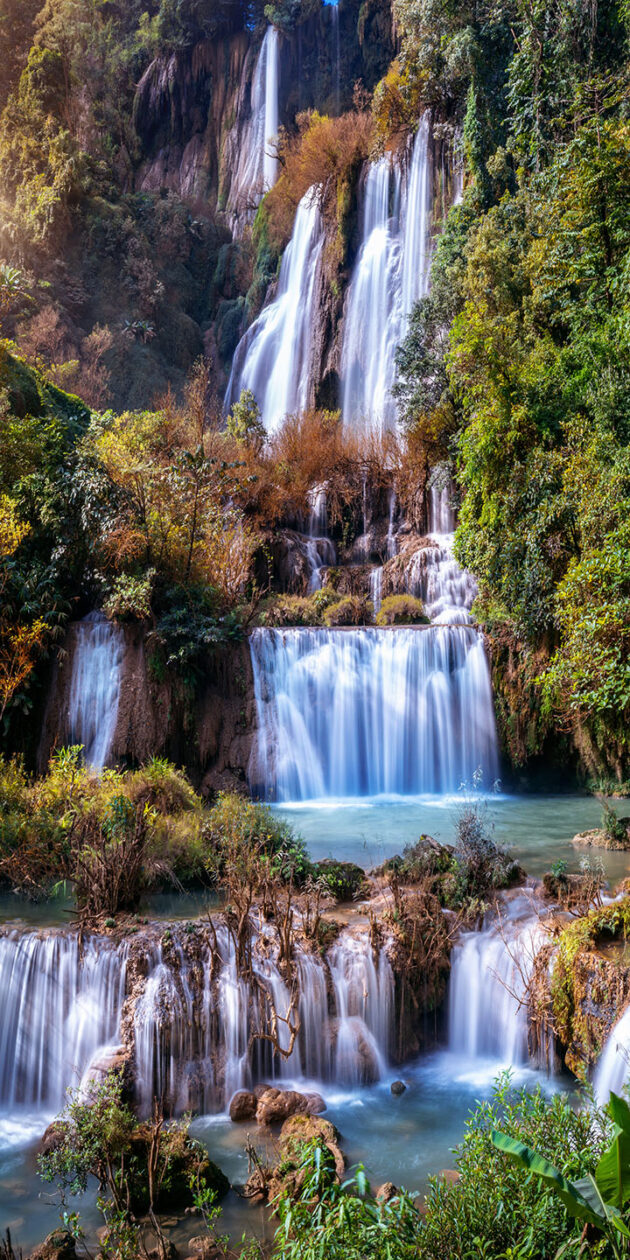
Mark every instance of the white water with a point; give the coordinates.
(95, 687)
(376, 588)
(255, 165)
(433, 574)
(350, 713)
(61, 1002)
(613, 1070)
(390, 275)
(194, 1020)
(320, 549)
(490, 970)
(274, 357)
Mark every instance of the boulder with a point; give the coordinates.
(304, 1128)
(53, 1137)
(275, 1105)
(204, 1249)
(243, 1106)
(450, 1175)
(386, 1192)
(57, 1246)
(397, 1088)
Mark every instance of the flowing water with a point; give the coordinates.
(613, 1070)
(274, 359)
(255, 166)
(95, 687)
(391, 273)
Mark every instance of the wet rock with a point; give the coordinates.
(303, 1128)
(243, 1106)
(52, 1139)
(275, 1106)
(397, 1088)
(167, 1252)
(386, 1192)
(204, 1249)
(57, 1246)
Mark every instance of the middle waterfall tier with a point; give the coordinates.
(369, 712)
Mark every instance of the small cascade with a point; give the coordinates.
(255, 166)
(488, 1011)
(366, 712)
(433, 574)
(613, 1069)
(274, 357)
(61, 1002)
(376, 588)
(95, 687)
(390, 275)
(320, 549)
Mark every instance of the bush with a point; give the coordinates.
(341, 880)
(400, 610)
(130, 599)
(237, 829)
(351, 610)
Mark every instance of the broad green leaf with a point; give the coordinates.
(572, 1198)
(620, 1112)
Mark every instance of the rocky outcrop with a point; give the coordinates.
(209, 732)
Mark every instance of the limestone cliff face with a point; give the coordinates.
(207, 729)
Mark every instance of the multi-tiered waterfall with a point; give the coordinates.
(95, 687)
(369, 712)
(390, 275)
(191, 1014)
(274, 357)
(255, 165)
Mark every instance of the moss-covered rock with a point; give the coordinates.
(344, 881)
(589, 987)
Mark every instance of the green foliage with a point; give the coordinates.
(601, 1196)
(350, 610)
(237, 830)
(130, 599)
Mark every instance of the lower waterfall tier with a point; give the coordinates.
(191, 1022)
(368, 712)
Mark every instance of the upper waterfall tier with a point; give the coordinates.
(256, 165)
(274, 357)
(351, 713)
(95, 687)
(391, 273)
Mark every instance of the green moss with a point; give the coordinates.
(30, 394)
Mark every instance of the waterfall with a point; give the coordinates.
(391, 273)
(95, 687)
(613, 1070)
(320, 549)
(415, 271)
(61, 1002)
(192, 1016)
(351, 713)
(270, 51)
(433, 574)
(197, 1019)
(254, 165)
(488, 1010)
(373, 319)
(376, 588)
(274, 357)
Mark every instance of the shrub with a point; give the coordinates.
(236, 828)
(400, 610)
(351, 610)
(344, 881)
(130, 599)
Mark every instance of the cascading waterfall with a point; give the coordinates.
(433, 574)
(61, 1002)
(320, 549)
(196, 1022)
(194, 1015)
(256, 165)
(391, 273)
(274, 357)
(613, 1070)
(488, 1010)
(374, 314)
(351, 713)
(95, 687)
